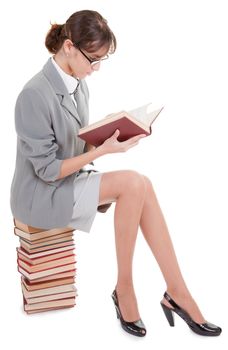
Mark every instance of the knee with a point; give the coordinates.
(134, 182)
(148, 183)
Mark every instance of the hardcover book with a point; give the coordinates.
(132, 123)
(46, 265)
(55, 277)
(29, 249)
(48, 284)
(48, 305)
(31, 229)
(44, 273)
(34, 261)
(48, 297)
(44, 253)
(42, 234)
(47, 291)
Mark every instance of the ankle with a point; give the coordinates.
(124, 288)
(178, 293)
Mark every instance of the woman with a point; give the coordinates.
(52, 188)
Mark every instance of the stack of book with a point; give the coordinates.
(46, 261)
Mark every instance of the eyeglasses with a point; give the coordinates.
(91, 61)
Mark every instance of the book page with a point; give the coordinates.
(145, 114)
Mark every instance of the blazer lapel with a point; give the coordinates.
(67, 103)
(60, 89)
(81, 103)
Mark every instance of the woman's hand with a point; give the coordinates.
(112, 145)
(89, 147)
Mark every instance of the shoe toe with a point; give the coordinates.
(212, 328)
(137, 327)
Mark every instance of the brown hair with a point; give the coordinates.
(86, 28)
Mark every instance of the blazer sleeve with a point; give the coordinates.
(36, 139)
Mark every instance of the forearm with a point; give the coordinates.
(71, 165)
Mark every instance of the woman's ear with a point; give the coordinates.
(67, 46)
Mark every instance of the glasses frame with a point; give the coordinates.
(91, 61)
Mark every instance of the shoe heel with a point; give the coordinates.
(206, 328)
(114, 300)
(117, 314)
(169, 315)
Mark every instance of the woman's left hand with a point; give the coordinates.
(89, 147)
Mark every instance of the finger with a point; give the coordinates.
(142, 136)
(132, 145)
(116, 134)
(137, 137)
(134, 139)
(117, 131)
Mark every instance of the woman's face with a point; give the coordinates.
(78, 60)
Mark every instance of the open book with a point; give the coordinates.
(132, 123)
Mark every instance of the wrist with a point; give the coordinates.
(100, 151)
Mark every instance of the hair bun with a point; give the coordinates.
(53, 39)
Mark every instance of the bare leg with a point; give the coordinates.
(156, 233)
(127, 188)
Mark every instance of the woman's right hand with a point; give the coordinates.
(112, 145)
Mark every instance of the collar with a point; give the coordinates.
(70, 82)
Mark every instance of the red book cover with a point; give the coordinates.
(129, 124)
(126, 127)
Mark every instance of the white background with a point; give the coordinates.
(172, 53)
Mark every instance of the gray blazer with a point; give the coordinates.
(47, 123)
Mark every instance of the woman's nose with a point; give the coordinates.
(96, 66)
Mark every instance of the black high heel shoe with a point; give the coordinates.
(207, 329)
(136, 328)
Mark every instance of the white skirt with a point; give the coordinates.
(86, 199)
